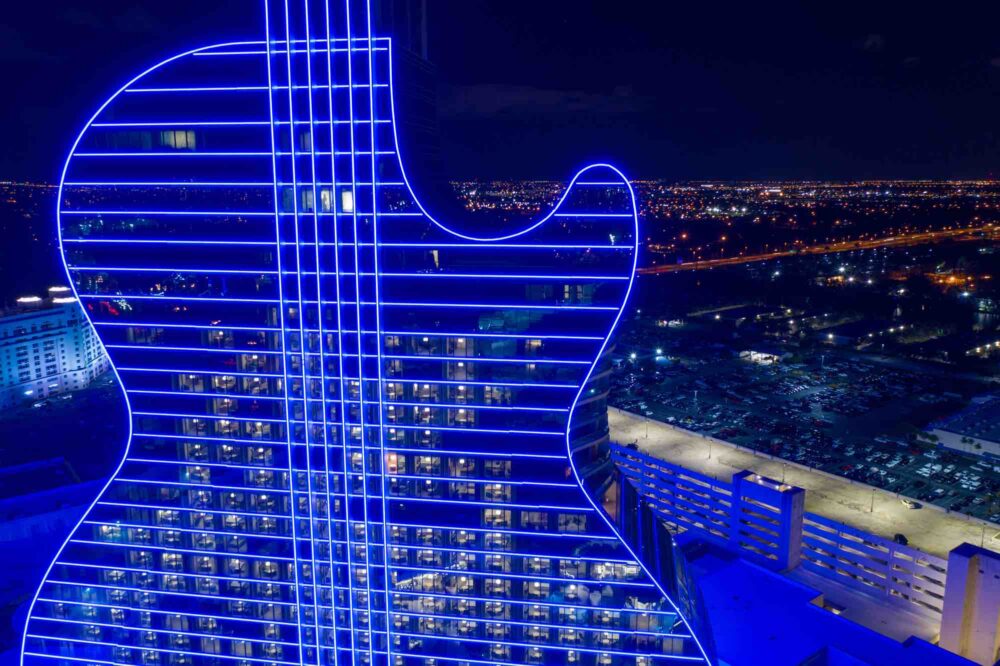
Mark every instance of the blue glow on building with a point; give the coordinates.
(358, 436)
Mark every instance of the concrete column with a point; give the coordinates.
(766, 521)
(970, 622)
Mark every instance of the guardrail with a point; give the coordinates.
(685, 500)
(874, 564)
(764, 521)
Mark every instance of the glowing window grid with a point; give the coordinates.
(357, 435)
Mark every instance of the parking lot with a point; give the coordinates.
(835, 411)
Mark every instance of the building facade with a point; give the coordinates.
(47, 347)
(359, 436)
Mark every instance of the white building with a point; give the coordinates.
(46, 347)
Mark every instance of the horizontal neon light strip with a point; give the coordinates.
(179, 574)
(337, 399)
(199, 327)
(563, 648)
(495, 276)
(129, 627)
(186, 299)
(174, 549)
(628, 215)
(233, 618)
(224, 271)
(185, 183)
(173, 594)
(187, 123)
(165, 183)
(390, 304)
(144, 648)
(186, 89)
(472, 454)
(190, 530)
(198, 213)
(176, 154)
(223, 373)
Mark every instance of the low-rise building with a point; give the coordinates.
(47, 347)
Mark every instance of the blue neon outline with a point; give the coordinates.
(360, 339)
(536, 224)
(301, 316)
(342, 414)
(121, 384)
(283, 334)
(387, 578)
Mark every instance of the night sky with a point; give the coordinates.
(534, 89)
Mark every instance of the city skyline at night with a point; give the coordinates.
(421, 333)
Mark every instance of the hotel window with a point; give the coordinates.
(572, 522)
(536, 634)
(497, 563)
(498, 469)
(178, 139)
(570, 636)
(538, 565)
(496, 395)
(496, 587)
(169, 538)
(172, 561)
(534, 520)
(463, 539)
(498, 541)
(461, 467)
(199, 474)
(459, 347)
(109, 533)
(496, 609)
(427, 465)
(572, 569)
(496, 517)
(461, 417)
(496, 492)
(536, 589)
(536, 613)
(195, 452)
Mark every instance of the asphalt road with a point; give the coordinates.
(825, 248)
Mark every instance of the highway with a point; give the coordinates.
(828, 248)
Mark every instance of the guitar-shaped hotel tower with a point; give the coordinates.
(357, 435)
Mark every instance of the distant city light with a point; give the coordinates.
(29, 299)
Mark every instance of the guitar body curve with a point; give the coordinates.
(357, 436)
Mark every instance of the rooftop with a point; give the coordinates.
(760, 617)
(981, 420)
(929, 529)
